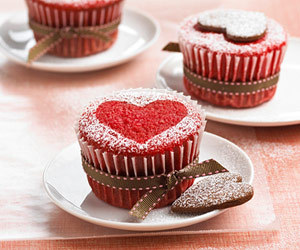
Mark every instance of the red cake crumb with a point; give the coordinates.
(141, 123)
(98, 134)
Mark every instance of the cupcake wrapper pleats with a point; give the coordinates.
(227, 67)
(60, 17)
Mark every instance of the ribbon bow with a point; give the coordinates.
(157, 186)
(224, 86)
(53, 36)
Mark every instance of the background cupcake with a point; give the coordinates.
(140, 132)
(76, 13)
(237, 65)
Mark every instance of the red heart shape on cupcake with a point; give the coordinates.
(141, 123)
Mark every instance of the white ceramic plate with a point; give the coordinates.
(67, 186)
(282, 109)
(137, 32)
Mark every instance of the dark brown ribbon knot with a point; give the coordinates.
(157, 186)
(172, 180)
(52, 36)
(68, 33)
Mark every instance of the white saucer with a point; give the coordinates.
(137, 32)
(282, 109)
(67, 186)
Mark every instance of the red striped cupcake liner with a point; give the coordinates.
(231, 68)
(165, 162)
(236, 100)
(228, 67)
(52, 16)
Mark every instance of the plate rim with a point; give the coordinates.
(137, 226)
(211, 116)
(50, 67)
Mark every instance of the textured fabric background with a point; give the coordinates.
(38, 109)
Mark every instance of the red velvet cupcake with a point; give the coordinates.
(232, 57)
(75, 14)
(140, 132)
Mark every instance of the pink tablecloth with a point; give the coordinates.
(38, 110)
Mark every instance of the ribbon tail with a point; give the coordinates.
(205, 168)
(43, 46)
(149, 200)
(40, 29)
(172, 47)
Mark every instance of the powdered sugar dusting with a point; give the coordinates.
(274, 38)
(238, 23)
(214, 191)
(104, 137)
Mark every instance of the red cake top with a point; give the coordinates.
(77, 4)
(274, 37)
(140, 121)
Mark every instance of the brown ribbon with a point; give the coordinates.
(230, 87)
(53, 36)
(172, 47)
(222, 86)
(157, 185)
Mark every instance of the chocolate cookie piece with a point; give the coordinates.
(214, 192)
(237, 25)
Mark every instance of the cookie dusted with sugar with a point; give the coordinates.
(214, 192)
(138, 133)
(232, 57)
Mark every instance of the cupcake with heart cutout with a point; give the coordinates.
(232, 57)
(140, 133)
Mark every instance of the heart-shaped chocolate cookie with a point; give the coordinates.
(237, 25)
(214, 192)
